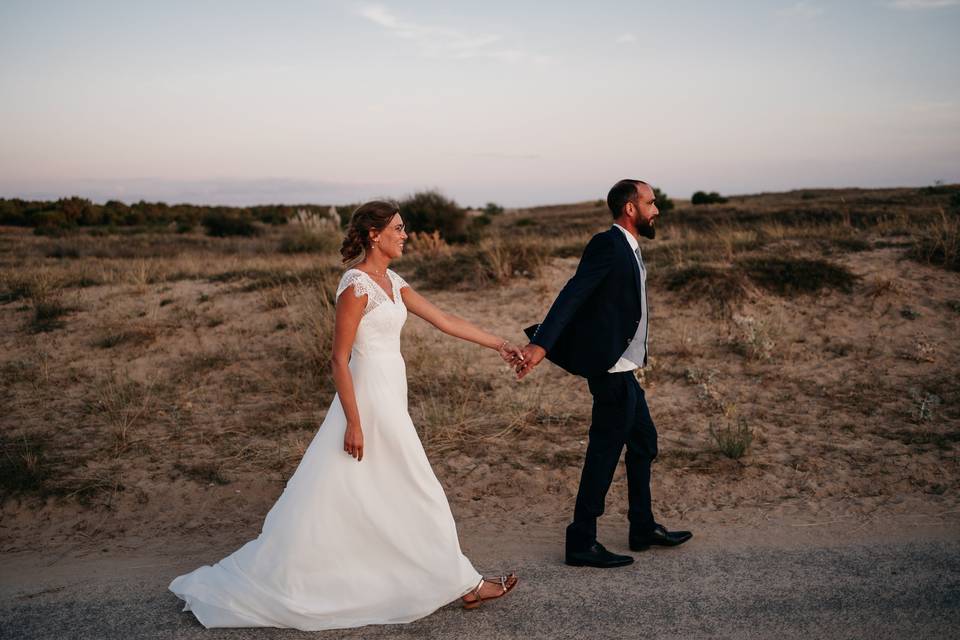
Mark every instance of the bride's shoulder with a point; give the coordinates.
(355, 278)
(396, 278)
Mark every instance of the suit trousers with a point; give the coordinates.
(620, 417)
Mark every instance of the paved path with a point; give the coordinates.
(880, 589)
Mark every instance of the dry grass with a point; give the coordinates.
(938, 242)
(168, 364)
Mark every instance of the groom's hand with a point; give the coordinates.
(532, 356)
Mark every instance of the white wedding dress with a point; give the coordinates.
(347, 543)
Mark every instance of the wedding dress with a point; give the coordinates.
(347, 543)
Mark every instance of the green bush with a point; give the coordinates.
(664, 203)
(431, 211)
(732, 440)
(222, 224)
(702, 197)
(493, 209)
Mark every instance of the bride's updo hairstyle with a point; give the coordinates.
(375, 215)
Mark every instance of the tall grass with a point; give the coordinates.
(938, 242)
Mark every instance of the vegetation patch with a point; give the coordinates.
(221, 224)
(203, 472)
(732, 438)
(492, 263)
(47, 314)
(791, 276)
(25, 466)
(941, 440)
(703, 197)
(325, 277)
(311, 242)
(721, 288)
(130, 337)
(938, 243)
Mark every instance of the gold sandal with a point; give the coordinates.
(507, 583)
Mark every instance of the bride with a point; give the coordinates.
(351, 543)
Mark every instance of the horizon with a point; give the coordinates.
(470, 205)
(339, 102)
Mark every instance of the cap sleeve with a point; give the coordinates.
(400, 282)
(361, 286)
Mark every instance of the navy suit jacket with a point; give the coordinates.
(597, 312)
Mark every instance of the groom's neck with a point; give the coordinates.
(627, 224)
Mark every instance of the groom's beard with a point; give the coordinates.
(647, 231)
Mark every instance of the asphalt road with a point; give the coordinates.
(902, 589)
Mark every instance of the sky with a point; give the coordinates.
(514, 102)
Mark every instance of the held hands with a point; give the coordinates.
(353, 441)
(532, 355)
(510, 353)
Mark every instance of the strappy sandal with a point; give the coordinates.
(506, 583)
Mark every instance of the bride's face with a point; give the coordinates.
(391, 239)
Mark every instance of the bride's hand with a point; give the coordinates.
(353, 441)
(511, 353)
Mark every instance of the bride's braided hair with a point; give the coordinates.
(375, 215)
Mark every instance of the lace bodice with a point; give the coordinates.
(379, 330)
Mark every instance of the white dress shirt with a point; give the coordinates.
(637, 348)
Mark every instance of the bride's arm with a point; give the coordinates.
(456, 326)
(348, 313)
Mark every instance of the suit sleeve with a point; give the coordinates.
(595, 264)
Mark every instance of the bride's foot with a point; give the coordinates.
(489, 589)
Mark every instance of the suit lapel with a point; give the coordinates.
(633, 262)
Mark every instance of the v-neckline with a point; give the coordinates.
(384, 291)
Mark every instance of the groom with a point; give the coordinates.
(597, 328)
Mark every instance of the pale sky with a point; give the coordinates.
(516, 102)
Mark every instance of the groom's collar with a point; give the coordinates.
(634, 245)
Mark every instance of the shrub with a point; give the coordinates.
(493, 263)
(938, 242)
(955, 202)
(112, 339)
(432, 211)
(222, 224)
(426, 244)
(493, 209)
(47, 311)
(63, 250)
(702, 197)
(664, 203)
(720, 288)
(753, 338)
(789, 276)
(23, 465)
(310, 242)
(732, 440)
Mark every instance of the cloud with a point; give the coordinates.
(626, 38)
(909, 5)
(802, 10)
(435, 40)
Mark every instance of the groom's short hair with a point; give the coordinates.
(620, 194)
